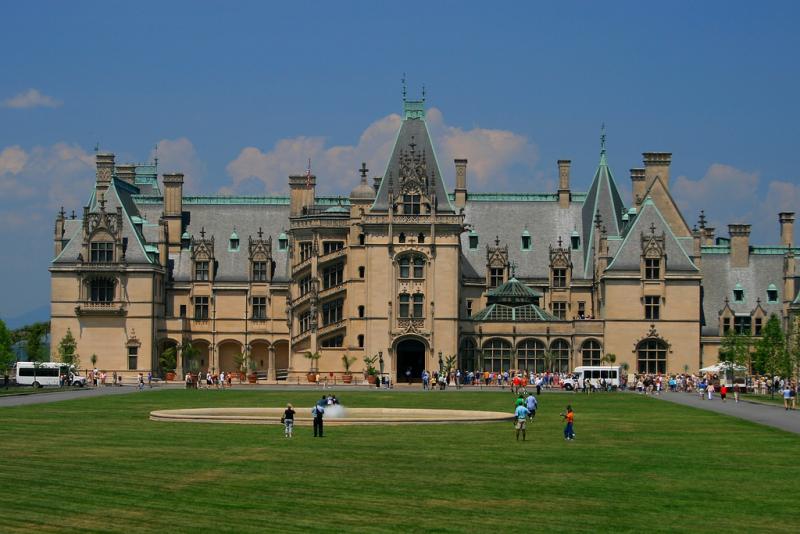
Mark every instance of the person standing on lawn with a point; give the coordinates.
(288, 421)
(318, 411)
(531, 404)
(569, 417)
(521, 413)
(787, 395)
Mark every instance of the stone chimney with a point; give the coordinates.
(786, 219)
(173, 208)
(104, 162)
(708, 236)
(461, 183)
(302, 192)
(58, 236)
(656, 164)
(127, 172)
(638, 186)
(740, 244)
(563, 182)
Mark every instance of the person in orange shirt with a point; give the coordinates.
(569, 417)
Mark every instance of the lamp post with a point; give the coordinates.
(380, 363)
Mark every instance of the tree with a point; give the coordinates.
(7, 357)
(735, 349)
(770, 354)
(34, 347)
(348, 362)
(190, 353)
(609, 358)
(450, 363)
(66, 350)
(314, 357)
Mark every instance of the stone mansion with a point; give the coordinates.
(409, 270)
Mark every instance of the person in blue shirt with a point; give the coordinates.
(521, 413)
(531, 404)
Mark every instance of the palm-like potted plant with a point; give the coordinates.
(348, 361)
(168, 360)
(241, 364)
(314, 358)
(190, 355)
(370, 372)
(252, 378)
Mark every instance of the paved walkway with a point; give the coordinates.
(79, 393)
(765, 414)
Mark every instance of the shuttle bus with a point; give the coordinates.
(593, 376)
(47, 374)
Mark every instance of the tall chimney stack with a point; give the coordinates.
(127, 172)
(461, 182)
(638, 186)
(302, 192)
(173, 208)
(786, 219)
(656, 164)
(563, 182)
(104, 162)
(740, 244)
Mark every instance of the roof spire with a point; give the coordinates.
(702, 220)
(403, 81)
(603, 143)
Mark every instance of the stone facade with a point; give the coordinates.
(406, 270)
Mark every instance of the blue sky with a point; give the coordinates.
(239, 94)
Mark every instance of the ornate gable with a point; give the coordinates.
(203, 249)
(102, 226)
(560, 256)
(260, 249)
(653, 246)
(496, 256)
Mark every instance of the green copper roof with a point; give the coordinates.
(503, 313)
(337, 209)
(513, 292)
(186, 235)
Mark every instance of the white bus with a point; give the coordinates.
(593, 376)
(46, 374)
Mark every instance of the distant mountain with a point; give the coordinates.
(42, 313)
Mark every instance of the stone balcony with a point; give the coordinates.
(88, 307)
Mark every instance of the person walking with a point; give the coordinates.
(723, 392)
(787, 395)
(710, 390)
(288, 421)
(408, 375)
(521, 413)
(569, 430)
(736, 392)
(531, 404)
(141, 382)
(318, 411)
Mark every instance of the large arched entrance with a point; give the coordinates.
(410, 355)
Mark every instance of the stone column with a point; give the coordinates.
(271, 376)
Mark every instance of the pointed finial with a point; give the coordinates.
(423, 92)
(203, 232)
(363, 170)
(603, 138)
(702, 220)
(652, 228)
(61, 213)
(73, 215)
(513, 269)
(97, 147)
(155, 155)
(403, 81)
(497, 240)
(102, 201)
(559, 241)
(260, 233)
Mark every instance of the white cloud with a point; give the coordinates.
(179, 155)
(493, 155)
(31, 98)
(730, 195)
(12, 160)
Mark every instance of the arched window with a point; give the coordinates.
(468, 360)
(497, 355)
(560, 351)
(361, 239)
(361, 341)
(421, 238)
(590, 352)
(361, 271)
(651, 356)
(530, 355)
(361, 311)
(401, 238)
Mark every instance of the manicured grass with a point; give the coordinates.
(637, 464)
(766, 399)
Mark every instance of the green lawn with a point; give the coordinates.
(637, 464)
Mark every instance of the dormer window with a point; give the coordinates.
(559, 277)
(473, 240)
(186, 241)
(201, 271)
(772, 294)
(526, 240)
(496, 277)
(738, 293)
(101, 252)
(412, 204)
(575, 241)
(283, 242)
(233, 245)
(652, 268)
(259, 271)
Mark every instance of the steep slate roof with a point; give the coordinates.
(413, 130)
(628, 257)
(544, 220)
(719, 280)
(271, 214)
(118, 194)
(603, 198)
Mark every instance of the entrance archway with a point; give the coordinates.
(410, 354)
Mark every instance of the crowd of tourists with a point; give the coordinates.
(512, 379)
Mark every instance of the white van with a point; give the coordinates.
(46, 374)
(595, 375)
